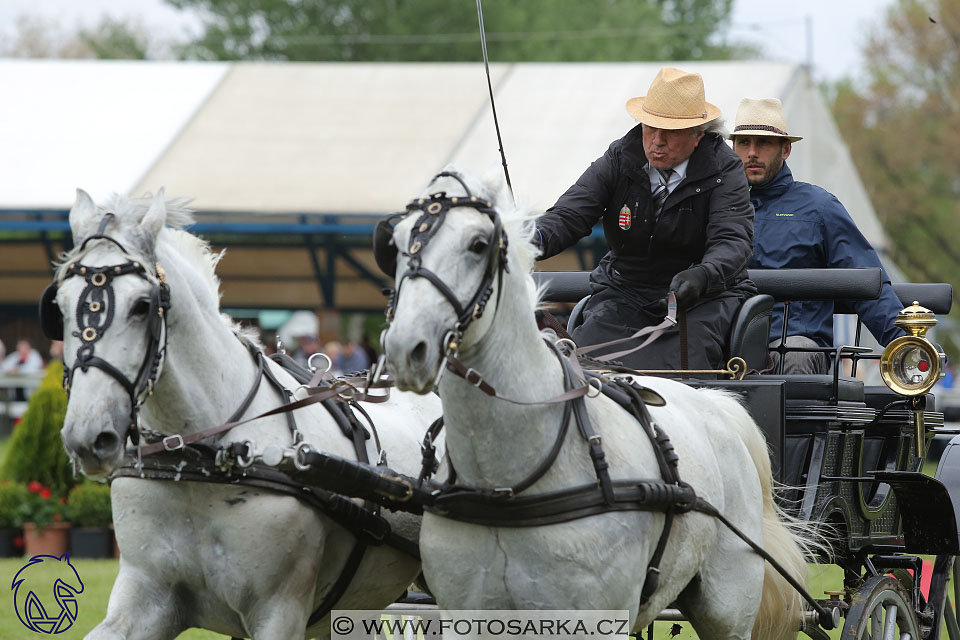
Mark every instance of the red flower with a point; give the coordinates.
(34, 487)
(57, 517)
(63, 500)
(45, 493)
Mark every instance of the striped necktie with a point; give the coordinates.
(661, 192)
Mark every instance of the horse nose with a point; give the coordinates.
(418, 355)
(106, 444)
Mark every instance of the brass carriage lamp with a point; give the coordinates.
(911, 364)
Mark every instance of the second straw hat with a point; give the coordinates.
(761, 117)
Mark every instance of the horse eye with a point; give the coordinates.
(141, 307)
(479, 245)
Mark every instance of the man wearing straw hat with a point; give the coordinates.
(799, 225)
(676, 216)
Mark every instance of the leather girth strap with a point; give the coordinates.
(503, 508)
(199, 467)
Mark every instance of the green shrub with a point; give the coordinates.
(35, 452)
(13, 495)
(88, 505)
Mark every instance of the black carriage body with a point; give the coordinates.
(830, 456)
(844, 453)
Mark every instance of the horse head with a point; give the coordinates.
(110, 298)
(451, 260)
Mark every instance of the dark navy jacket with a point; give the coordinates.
(799, 225)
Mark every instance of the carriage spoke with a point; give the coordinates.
(890, 623)
(881, 611)
(875, 623)
(955, 580)
(950, 617)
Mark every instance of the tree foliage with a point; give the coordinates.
(446, 30)
(903, 129)
(42, 38)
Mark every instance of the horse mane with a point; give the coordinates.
(194, 250)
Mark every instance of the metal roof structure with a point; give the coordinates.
(290, 164)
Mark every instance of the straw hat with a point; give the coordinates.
(675, 100)
(761, 117)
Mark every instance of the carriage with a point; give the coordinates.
(851, 456)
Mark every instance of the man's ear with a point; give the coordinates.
(699, 134)
(787, 146)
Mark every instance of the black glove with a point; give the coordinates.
(689, 285)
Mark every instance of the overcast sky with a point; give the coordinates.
(839, 27)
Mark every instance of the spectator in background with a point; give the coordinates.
(332, 349)
(3, 351)
(306, 347)
(56, 350)
(24, 361)
(351, 359)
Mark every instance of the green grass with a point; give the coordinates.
(821, 577)
(97, 577)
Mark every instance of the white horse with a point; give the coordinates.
(234, 559)
(600, 561)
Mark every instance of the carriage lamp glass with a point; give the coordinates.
(911, 364)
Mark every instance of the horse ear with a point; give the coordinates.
(81, 212)
(156, 215)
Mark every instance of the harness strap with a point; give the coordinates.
(339, 587)
(652, 333)
(248, 400)
(490, 508)
(177, 441)
(473, 377)
(684, 350)
(597, 456)
(348, 514)
(825, 618)
(429, 463)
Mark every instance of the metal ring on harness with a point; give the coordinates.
(350, 393)
(300, 456)
(598, 386)
(314, 369)
(566, 342)
(242, 462)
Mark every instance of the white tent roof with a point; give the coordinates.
(354, 138)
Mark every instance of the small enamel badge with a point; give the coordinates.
(626, 217)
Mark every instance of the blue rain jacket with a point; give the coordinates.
(798, 225)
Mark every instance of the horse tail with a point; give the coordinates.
(787, 539)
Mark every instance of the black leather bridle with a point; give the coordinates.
(94, 314)
(433, 212)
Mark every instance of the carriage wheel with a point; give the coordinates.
(881, 611)
(946, 584)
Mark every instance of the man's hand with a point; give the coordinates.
(689, 286)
